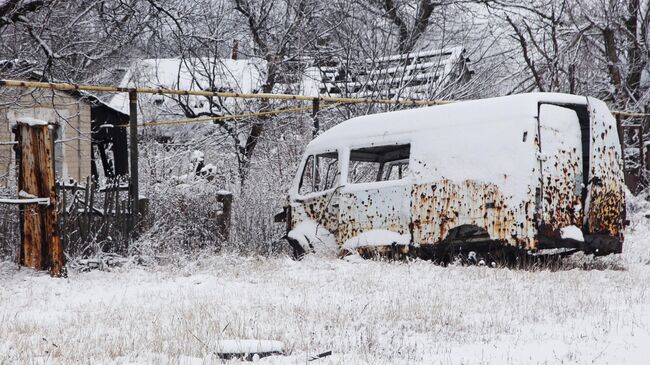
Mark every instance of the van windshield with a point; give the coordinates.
(379, 163)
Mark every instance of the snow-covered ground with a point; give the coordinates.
(365, 312)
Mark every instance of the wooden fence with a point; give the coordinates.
(95, 218)
(636, 155)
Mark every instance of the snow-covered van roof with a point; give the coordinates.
(376, 127)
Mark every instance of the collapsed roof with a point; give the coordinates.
(414, 75)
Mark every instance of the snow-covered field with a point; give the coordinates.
(364, 312)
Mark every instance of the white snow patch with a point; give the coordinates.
(30, 121)
(377, 237)
(197, 156)
(26, 195)
(25, 198)
(314, 238)
(572, 232)
(248, 346)
(209, 169)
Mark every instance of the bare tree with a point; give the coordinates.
(77, 41)
(585, 47)
(410, 18)
(13, 11)
(276, 32)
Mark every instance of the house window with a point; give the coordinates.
(321, 172)
(380, 163)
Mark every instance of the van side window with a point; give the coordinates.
(327, 171)
(380, 163)
(395, 170)
(321, 176)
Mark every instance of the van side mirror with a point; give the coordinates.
(280, 217)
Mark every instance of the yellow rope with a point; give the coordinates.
(630, 114)
(226, 117)
(267, 96)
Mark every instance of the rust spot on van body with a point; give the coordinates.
(386, 208)
(469, 203)
(607, 196)
(320, 209)
(562, 195)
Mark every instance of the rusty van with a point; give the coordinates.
(532, 173)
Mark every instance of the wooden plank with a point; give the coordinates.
(41, 246)
(53, 245)
(32, 232)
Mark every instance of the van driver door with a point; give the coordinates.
(560, 159)
(319, 197)
(376, 200)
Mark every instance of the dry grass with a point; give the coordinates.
(365, 312)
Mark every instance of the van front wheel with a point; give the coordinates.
(298, 251)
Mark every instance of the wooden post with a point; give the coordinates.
(641, 153)
(621, 138)
(314, 114)
(223, 223)
(133, 150)
(235, 50)
(646, 151)
(41, 246)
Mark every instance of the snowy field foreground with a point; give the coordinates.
(364, 312)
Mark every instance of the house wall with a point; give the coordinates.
(72, 153)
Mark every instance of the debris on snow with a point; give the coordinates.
(248, 349)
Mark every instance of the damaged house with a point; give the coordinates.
(417, 75)
(89, 140)
(199, 74)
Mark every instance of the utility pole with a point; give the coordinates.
(134, 191)
(315, 107)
